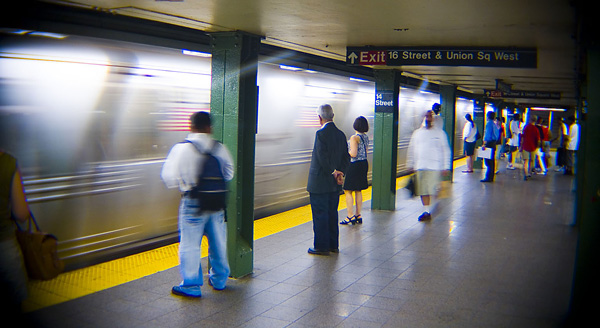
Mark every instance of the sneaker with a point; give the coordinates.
(187, 291)
(213, 286)
(425, 216)
(510, 167)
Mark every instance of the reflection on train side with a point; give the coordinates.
(92, 120)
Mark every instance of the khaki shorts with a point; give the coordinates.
(428, 182)
(527, 155)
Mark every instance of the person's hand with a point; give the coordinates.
(339, 177)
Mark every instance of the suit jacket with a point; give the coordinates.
(330, 153)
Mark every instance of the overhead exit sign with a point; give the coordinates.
(446, 56)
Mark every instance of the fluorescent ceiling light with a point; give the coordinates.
(195, 53)
(549, 109)
(290, 68)
(48, 35)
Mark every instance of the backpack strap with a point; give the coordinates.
(201, 151)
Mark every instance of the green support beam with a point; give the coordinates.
(234, 109)
(587, 201)
(448, 112)
(385, 147)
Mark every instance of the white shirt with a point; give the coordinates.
(469, 132)
(573, 137)
(428, 150)
(184, 162)
(515, 130)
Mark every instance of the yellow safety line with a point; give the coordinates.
(78, 283)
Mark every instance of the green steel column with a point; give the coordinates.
(478, 118)
(448, 112)
(385, 147)
(234, 106)
(587, 201)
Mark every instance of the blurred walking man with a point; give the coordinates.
(429, 157)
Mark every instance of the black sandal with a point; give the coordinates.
(348, 220)
(358, 219)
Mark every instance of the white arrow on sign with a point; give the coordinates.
(352, 57)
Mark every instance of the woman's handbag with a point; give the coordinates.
(39, 252)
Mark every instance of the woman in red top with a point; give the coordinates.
(530, 140)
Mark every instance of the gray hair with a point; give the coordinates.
(326, 112)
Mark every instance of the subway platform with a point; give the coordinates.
(495, 255)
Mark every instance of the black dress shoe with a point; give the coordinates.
(486, 180)
(317, 251)
(334, 250)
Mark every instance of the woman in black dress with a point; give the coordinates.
(356, 177)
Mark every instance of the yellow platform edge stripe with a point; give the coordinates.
(85, 281)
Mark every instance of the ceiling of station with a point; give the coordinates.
(327, 27)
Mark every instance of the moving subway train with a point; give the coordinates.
(91, 122)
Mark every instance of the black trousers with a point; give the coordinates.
(325, 220)
(490, 163)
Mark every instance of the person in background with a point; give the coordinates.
(530, 140)
(546, 140)
(490, 139)
(429, 157)
(539, 155)
(502, 126)
(13, 208)
(469, 133)
(181, 170)
(329, 162)
(572, 146)
(515, 140)
(561, 151)
(356, 178)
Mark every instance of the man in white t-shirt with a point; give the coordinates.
(572, 146)
(429, 157)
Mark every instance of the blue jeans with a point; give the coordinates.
(192, 227)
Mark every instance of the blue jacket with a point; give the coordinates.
(492, 132)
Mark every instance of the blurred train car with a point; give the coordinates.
(91, 122)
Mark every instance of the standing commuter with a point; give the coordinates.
(356, 178)
(12, 268)
(539, 156)
(572, 146)
(561, 152)
(530, 140)
(490, 139)
(429, 156)
(182, 169)
(469, 137)
(330, 159)
(515, 140)
(546, 140)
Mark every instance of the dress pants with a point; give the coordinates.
(325, 220)
(490, 163)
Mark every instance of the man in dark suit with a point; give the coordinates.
(330, 159)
